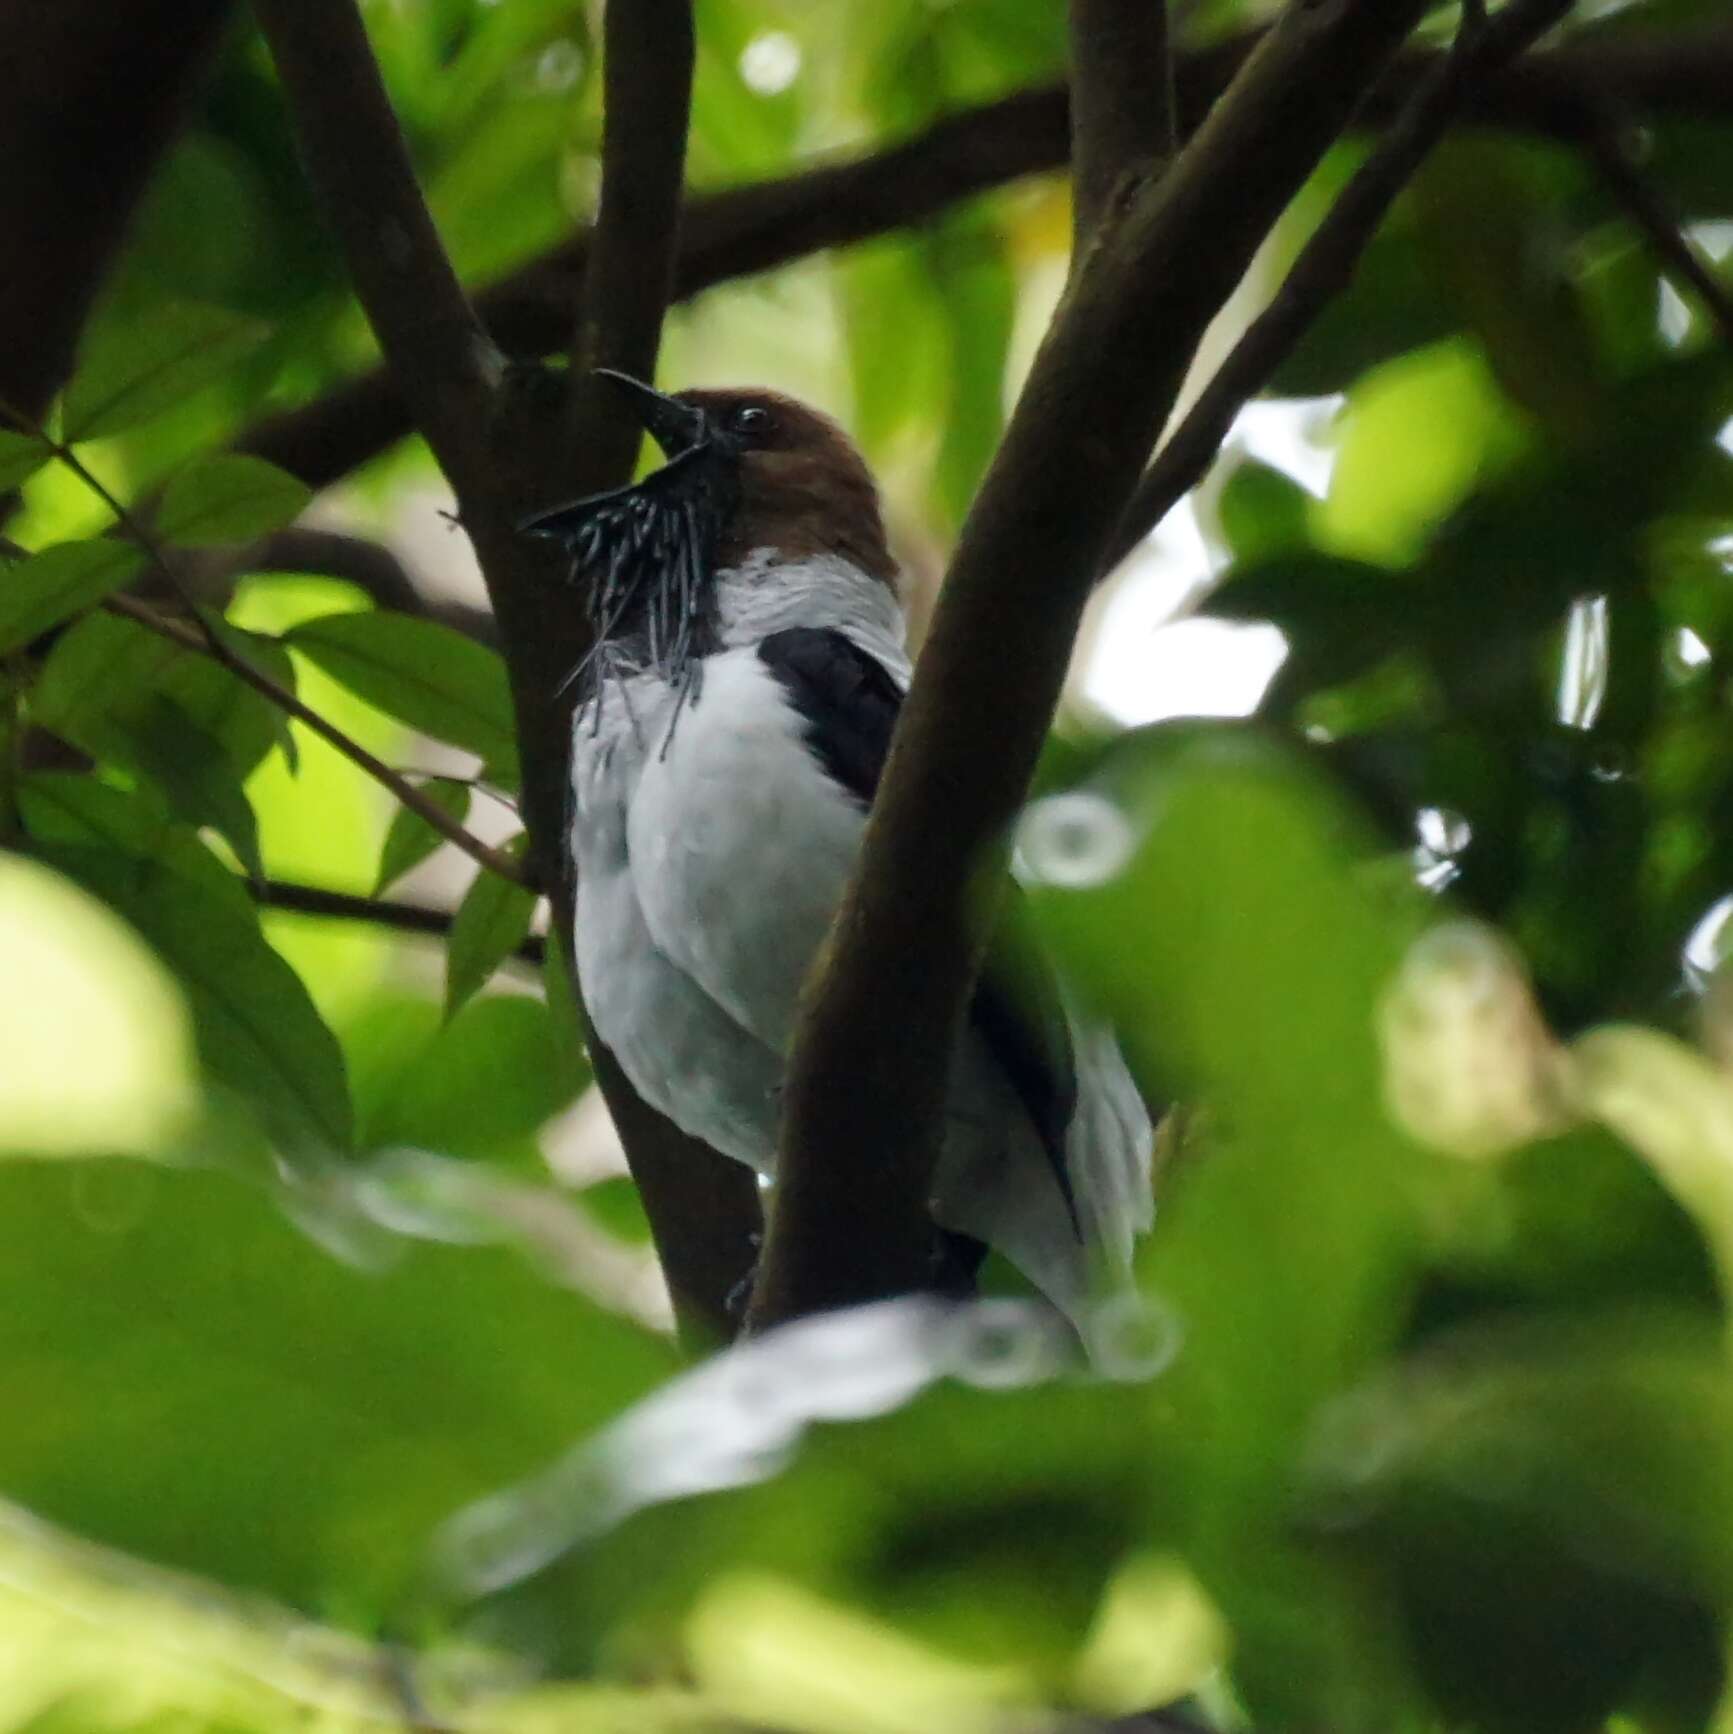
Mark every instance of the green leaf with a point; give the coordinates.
(1487, 235)
(86, 813)
(21, 456)
(105, 674)
(258, 1031)
(410, 839)
(1394, 304)
(570, 1043)
(59, 582)
(1543, 1508)
(618, 1206)
(228, 497)
(491, 922)
(200, 781)
(1263, 512)
(883, 286)
(194, 1380)
(987, 1528)
(422, 673)
(977, 301)
(1215, 901)
(132, 371)
(481, 1085)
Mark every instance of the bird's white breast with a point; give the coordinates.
(710, 860)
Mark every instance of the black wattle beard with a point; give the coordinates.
(647, 555)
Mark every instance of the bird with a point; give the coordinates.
(730, 726)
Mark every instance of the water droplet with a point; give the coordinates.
(999, 1345)
(559, 67)
(1442, 830)
(1672, 316)
(1706, 945)
(1357, 1441)
(1611, 764)
(1074, 841)
(1134, 1338)
(1687, 652)
(1583, 663)
(1432, 874)
(770, 63)
(112, 1197)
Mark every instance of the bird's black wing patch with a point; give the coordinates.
(848, 706)
(846, 701)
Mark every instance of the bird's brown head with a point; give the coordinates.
(749, 472)
(804, 487)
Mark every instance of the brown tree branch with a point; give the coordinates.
(1326, 263)
(396, 913)
(1123, 127)
(440, 355)
(703, 1208)
(866, 1090)
(735, 233)
(357, 560)
(506, 451)
(647, 102)
(1608, 147)
(94, 93)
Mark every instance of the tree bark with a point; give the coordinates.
(95, 91)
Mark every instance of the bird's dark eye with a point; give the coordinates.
(750, 418)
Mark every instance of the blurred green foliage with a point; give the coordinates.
(329, 1391)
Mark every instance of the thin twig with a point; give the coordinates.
(204, 638)
(392, 912)
(1607, 145)
(648, 49)
(442, 357)
(404, 792)
(1327, 262)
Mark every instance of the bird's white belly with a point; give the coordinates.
(741, 846)
(707, 876)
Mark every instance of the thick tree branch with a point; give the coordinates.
(505, 452)
(1609, 149)
(441, 357)
(1123, 127)
(703, 1209)
(722, 236)
(647, 102)
(866, 1090)
(1326, 263)
(94, 93)
(755, 228)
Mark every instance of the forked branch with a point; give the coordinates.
(866, 1091)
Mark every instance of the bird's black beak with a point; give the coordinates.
(675, 426)
(678, 428)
